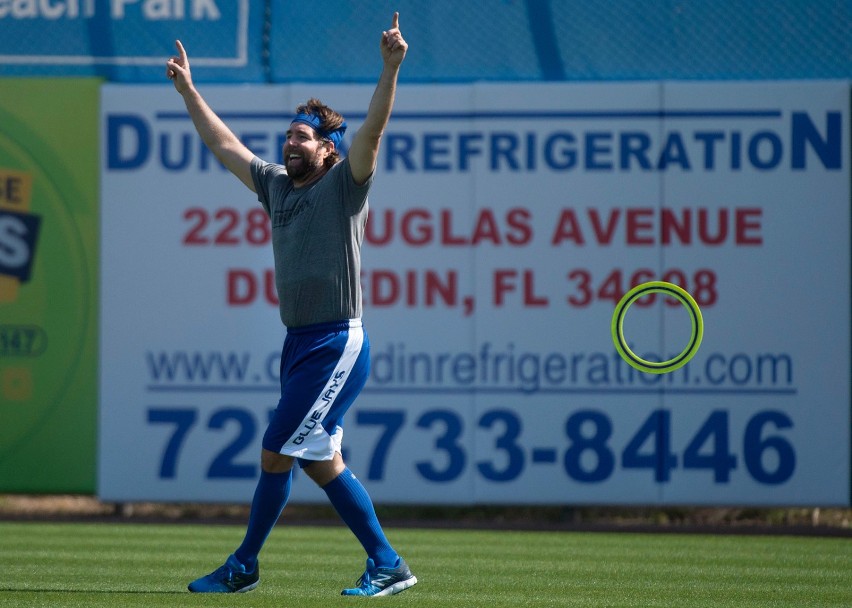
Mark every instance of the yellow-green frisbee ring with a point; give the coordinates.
(679, 294)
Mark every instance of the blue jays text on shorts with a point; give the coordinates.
(323, 369)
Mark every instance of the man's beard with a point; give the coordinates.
(304, 169)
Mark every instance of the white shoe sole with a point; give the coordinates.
(398, 587)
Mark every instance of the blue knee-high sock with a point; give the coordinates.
(353, 504)
(270, 496)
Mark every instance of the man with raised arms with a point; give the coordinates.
(317, 202)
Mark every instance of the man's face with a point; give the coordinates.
(304, 152)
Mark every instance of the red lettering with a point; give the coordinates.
(530, 298)
(270, 291)
(416, 233)
(447, 238)
(519, 219)
(504, 282)
(639, 220)
(748, 229)
(384, 288)
(669, 225)
(704, 227)
(604, 235)
(370, 229)
(567, 229)
(438, 289)
(243, 287)
(411, 288)
(420, 227)
(486, 229)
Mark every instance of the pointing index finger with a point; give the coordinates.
(181, 51)
(395, 21)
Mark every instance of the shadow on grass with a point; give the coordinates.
(101, 591)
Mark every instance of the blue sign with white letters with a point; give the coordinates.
(18, 236)
(130, 40)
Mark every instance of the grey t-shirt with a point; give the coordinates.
(316, 239)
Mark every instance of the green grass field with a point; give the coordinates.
(114, 565)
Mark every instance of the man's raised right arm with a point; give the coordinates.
(230, 151)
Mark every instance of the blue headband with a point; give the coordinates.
(314, 121)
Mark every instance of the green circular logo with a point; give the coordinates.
(46, 318)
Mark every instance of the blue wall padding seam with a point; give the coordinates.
(544, 39)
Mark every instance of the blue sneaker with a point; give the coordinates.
(231, 577)
(383, 581)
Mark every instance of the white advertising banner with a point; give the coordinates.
(506, 222)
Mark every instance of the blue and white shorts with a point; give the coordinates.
(323, 369)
